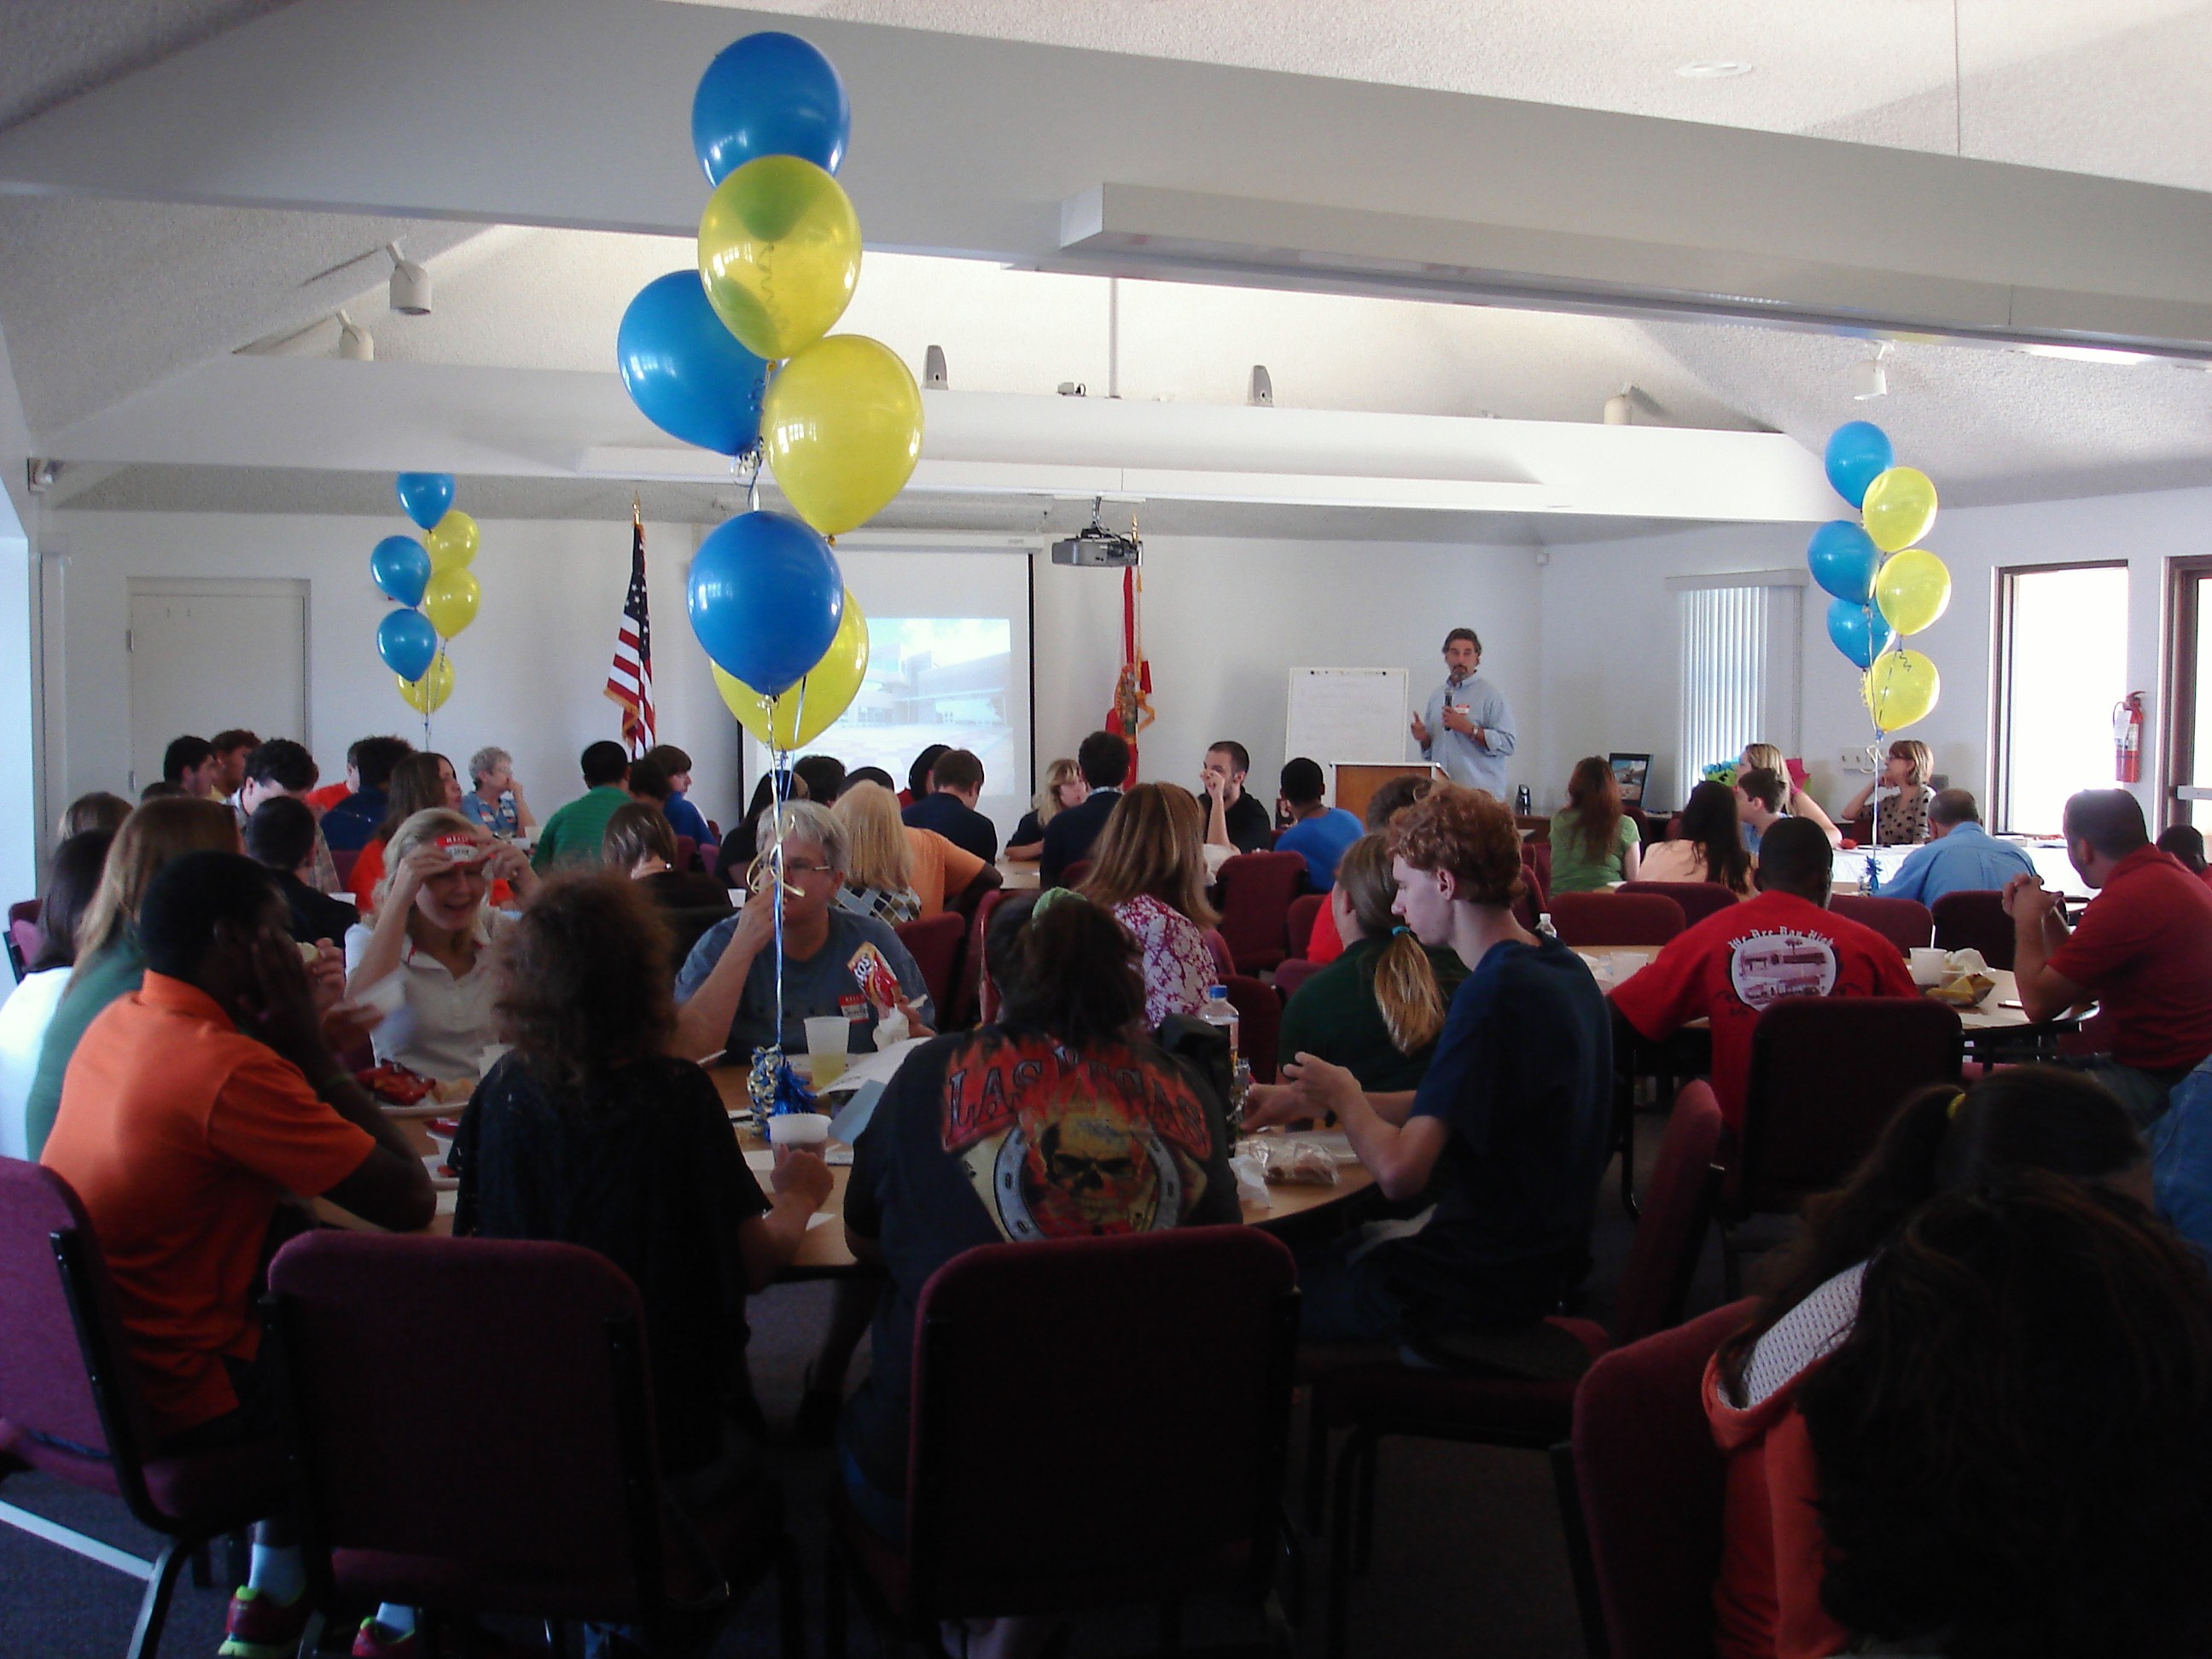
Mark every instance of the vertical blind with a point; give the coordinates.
(1725, 685)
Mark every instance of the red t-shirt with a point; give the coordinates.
(1326, 944)
(1734, 963)
(2144, 946)
(325, 798)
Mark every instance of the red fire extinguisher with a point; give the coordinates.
(2127, 738)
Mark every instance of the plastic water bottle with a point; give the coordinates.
(1218, 1010)
(1522, 803)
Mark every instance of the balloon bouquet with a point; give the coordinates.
(733, 357)
(438, 593)
(1879, 600)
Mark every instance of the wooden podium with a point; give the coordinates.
(1358, 781)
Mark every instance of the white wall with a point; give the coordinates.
(19, 770)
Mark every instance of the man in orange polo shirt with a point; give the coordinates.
(192, 1108)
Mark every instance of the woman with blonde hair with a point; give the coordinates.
(434, 933)
(1063, 787)
(1904, 793)
(931, 871)
(1376, 1010)
(1797, 802)
(1146, 868)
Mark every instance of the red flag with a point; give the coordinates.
(629, 681)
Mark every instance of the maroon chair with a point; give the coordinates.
(1615, 919)
(1528, 909)
(69, 1404)
(1374, 1400)
(1076, 874)
(1224, 965)
(1642, 1484)
(1975, 921)
(1537, 856)
(1256, 890)
(1172, 1350)
(342, 861)
(1293, 972)
(23, 935)
(1698, 899)
(1259, 1023)
(687, 852)
(541, 1498)
(936, 943)
(1905, 922)
(1297, 931)
(979, 998)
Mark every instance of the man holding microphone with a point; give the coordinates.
(1469, 729)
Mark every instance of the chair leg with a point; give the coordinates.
(1316, 1465)
(1171, 1627)
(1341, 1527)
(833, 1604)
(1369, 1445)
(791, 1601)
(153, 1606)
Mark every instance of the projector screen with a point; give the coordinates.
(948, 662)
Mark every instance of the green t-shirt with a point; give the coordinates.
(98, 980)
(577, 833)
(1334, 1015)
(1573, 873)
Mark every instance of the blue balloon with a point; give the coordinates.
(400, 566)
(426, 496)
(1859, 451)
(407, 642)
(1844, 559)
(685, 371)
(1858, 631)
(766, 598)
(769, 93)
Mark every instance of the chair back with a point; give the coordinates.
(1297, 931)
(1293, 972)
(1678, 1208)
(1528, 909)
(1159, 1362)
(1904, 922)
(542, 1493)
(1217, 947)
(23, 935)
(1975, 921)
(1259, 1023)
(687, 852)
(1650, 1483)
(1076, 872)
(936, 944)
(343, 859)
(1615, 919)
(1698, 899)
(1827, 1075)
(979, 998)
(1256, 890)
(1537, 856)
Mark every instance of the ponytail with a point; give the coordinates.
(1406, 990)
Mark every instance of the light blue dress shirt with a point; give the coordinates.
(1479, 765)
(1967, 860)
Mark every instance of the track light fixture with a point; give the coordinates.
(1870, 376)
(410, 284)
(355, 343)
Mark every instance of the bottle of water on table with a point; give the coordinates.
(1218, 1012)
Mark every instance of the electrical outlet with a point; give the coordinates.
(1855, 760)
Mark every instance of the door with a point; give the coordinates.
(208, 655)
(2188, 768)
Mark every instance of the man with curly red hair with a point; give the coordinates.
(1506, 1136)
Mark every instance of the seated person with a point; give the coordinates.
(1068, 1068)
(727, 992)
(917, 776)
(1708, 846)
(1063, 787)
(684, 817)
(1593, 842)
(744, 844)
(2184, 841)
(1767, 1601)
(641, 844)
(280, 837)
(434, 930)
(1904, 793)
(1377, 1010)
(72, 878)
(590, 1132)
(879, 859)
(1103, 759)
(1233, 818)
(1758, 806)
(2014, 1443)
(1394, 797)
(1146, 870)
(109, 963)
(863, 775)
(420, 783)
(280, 768)
(1796, 800)
(1718, 969)
(1319, 833)
(328, 795)
(189, 766)
(1507, 1133)
(575, 832)
(195, 1108)
(825, 777)
(349, 825)
(956, 784)
(2143, 949)
(646, 782)
(97, 811)
(1960, 856)
(495, 801)
(231, 747)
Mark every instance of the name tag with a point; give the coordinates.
(853, 1007)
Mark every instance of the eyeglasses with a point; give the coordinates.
(806, 870)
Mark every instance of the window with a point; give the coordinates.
(1739, 667)
(2062, 666)
(2188, 696)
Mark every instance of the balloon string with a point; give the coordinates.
(755, 460)
(779, 783)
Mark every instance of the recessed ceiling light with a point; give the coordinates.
(1713, 69)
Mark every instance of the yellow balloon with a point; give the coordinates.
(1901, 688)
(427, 694)
(453, 542)
(780, 252)
(451, 600)
(1899, 507)
(812, 706)
(842, 422)
(1912, 588)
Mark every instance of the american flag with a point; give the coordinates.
(629, 681)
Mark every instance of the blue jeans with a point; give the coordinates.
(1341, 1300)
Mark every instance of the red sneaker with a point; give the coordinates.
(372, 1641)
(261, 1627)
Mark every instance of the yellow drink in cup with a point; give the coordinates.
(826, 1038)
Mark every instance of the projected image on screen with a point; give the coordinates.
(931, 679)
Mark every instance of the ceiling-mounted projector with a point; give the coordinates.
(1098, 547)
